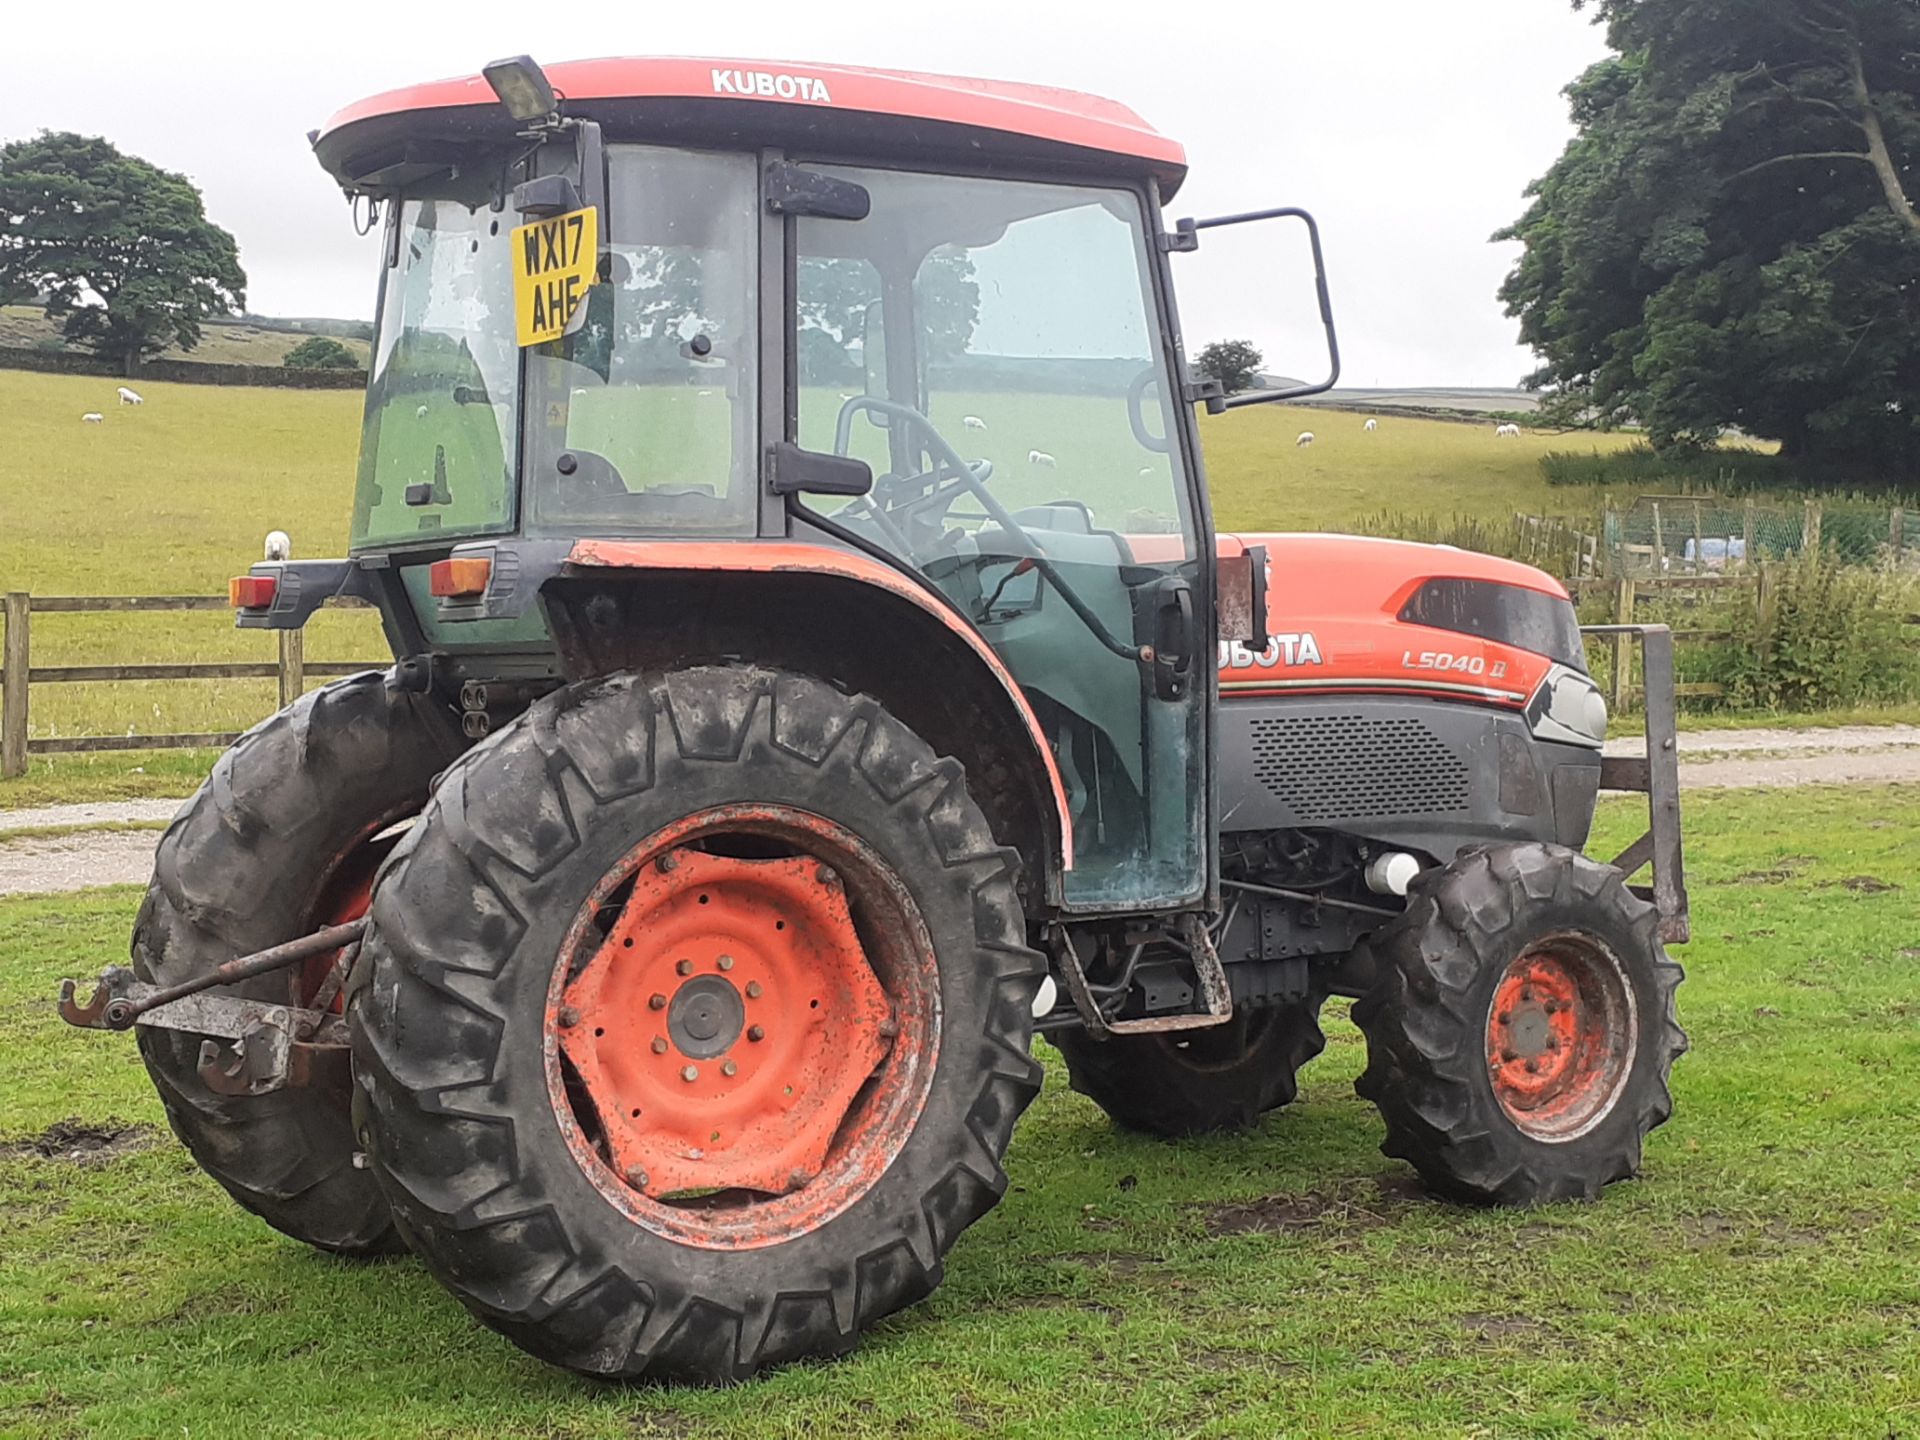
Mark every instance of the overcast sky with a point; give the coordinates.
(1410, 127)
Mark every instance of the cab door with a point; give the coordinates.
(995, 350)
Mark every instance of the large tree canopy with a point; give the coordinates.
(121, 250)
(1732, 239)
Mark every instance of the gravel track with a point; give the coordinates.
(1709, 759)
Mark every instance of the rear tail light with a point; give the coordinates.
(252, 592)
(460, 576)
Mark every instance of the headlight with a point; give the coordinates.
(1568, 707)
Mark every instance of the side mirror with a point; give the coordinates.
(1186, 236)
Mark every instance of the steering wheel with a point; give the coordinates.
(906, 503)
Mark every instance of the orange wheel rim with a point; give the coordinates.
(346, 895)
(743, 1025)
(1561, 1037)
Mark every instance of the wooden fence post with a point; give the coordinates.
(1897, 532)
(1747, 555)
(1763, 613)
(293, 666)
(1810, 528)
(13, 703)
(1622, 644)
(1659, 543)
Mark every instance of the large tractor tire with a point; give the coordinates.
(1193, 1082)
(284, 838)
(1521, 1028)
(693, 1023)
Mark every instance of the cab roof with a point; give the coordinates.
(824, 107)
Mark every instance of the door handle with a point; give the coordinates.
(1173, 643)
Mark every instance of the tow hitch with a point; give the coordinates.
(251, 1047)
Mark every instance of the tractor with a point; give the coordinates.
(816, 673)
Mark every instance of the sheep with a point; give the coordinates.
(1502, 431)
(1371, 426)
(278, 546)
(127, 397)
(1306, 439)
(420, 412)
(973, 422)
(93, 417)
(1040, 458)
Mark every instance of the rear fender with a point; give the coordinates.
(639, 604)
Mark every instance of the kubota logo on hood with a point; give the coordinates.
(769, 85)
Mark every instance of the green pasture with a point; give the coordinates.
(1760, 1280)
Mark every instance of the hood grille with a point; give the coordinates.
(1346, 767)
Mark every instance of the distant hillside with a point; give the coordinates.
(246, 341)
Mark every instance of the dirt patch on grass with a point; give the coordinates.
(1348, 1207)
(1787, 867)
(1499, 1327)
(83, 1142)
(1867, 885)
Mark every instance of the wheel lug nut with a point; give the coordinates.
(690, 1074)
(753, 989)
(666, 864)
(826, 876)
(637, 1178)
(659, 1044)
(1509, 1056)
(728, 1068)
(725, 962)
(685, 967)
(569, 1017)
(1506, 1017)
(1533, 1067)
(756, 1032)
(657, 1002)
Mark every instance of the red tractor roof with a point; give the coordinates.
(804, 97)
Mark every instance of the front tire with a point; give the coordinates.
(1520, 1029)
(557, 1079)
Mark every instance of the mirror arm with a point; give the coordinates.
(1186, 237)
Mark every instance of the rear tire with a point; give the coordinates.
(1197, 1081)
(1521, 1028)
(276, 843)
(529, 1181)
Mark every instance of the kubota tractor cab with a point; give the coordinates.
(815, 671)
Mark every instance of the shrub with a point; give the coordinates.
(1829, 635)
(320, 352)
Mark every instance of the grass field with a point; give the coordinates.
(1760, 1280)
(26, 325)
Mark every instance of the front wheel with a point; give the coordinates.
(693, 1023)
(1520, 1029)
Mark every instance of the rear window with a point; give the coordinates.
(1509, 614)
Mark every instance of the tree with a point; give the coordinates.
(121, 250)
(1234, 363)
(1731, 239)
(320, 352)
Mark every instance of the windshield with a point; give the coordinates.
(643, 418)
(437, 441)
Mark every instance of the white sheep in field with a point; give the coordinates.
(1504, 431)
(278, 545)
(420, 412)
(127, 397)
(1371, 426)
(92, 417)
(1306, 439)
(973, 422)
(1041, 458)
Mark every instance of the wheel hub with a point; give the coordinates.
(1560, 1037)
(706, 1017)
(726, 1025)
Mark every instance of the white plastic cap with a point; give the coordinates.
(1044, 997)
(1392, 873)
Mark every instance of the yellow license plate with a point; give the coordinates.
(553, 264)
